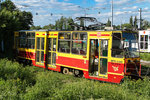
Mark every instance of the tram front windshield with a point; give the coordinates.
(125, 45)
(131, 48)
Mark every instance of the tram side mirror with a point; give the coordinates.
(122, 43)
(126, 44)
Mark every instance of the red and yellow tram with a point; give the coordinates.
(100, 55)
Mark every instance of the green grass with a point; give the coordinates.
(31, 83)
(145, 56)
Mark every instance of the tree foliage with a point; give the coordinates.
(9, 5)
(146, 24)
(135, 23)
(108, 23)
(131, 21)
(50, 26)
(64, 24)
(127, 26)
(35, 27)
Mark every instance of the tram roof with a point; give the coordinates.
(72, 30)
(31, 30)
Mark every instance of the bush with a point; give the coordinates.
(14, 78)
(14, 70)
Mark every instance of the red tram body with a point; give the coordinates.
(99, 55)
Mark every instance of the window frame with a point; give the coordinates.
(113, 49)
(26, 38)
(69, 40)
(79, 40)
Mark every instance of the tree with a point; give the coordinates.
(82, 22)
(35, 27)
(12, 19)
(50, 26)
(9, 5)
(135, 23)
(117, 27)
(108, 24)
(8, 24)
(131, 21)
(127, 26)
(70, 23)
(60, 23)
(25, 19)
(64, 23)
(146, 24)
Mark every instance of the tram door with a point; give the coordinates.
(103, 58)
(144, 42)
(51, 52)
(40, 51)
(94, 57)
(98, 65)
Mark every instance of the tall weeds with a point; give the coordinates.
(32, 83)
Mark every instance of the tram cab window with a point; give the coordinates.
(79, 43)
(117, 47)
(26, 40)
(64, 42)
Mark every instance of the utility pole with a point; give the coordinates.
(0, 4)
(112, 14)
(140, 14)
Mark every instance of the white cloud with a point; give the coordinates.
(45, 7)
(134, 7)
(121, 1)
(146, 8)
(119, 13)
(100, 0)
(45, 4)
(138, 1)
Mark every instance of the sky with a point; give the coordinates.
(48, 11)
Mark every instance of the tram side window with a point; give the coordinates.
(146, 41)
(104, 48)
(79, 43)
(30, 40)
(22, 39)
(16, 42)
(64, 42)
(142, 38)
(143, 41)
(117, 49)
(149, 40)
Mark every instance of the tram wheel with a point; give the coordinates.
(65, 71)
(76, 73)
